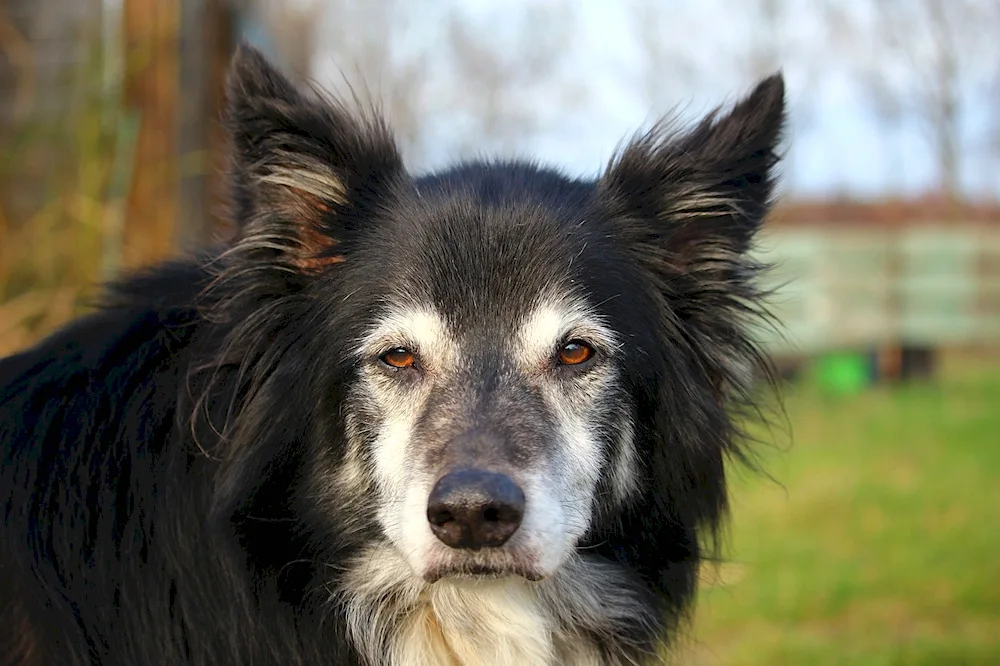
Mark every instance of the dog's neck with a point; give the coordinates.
(468, 624)
(585, 616)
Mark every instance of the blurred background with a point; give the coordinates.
(876, 541)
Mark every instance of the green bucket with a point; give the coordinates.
(843, 373)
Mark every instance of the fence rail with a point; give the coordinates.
(842, 289)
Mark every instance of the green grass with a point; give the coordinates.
(880, 543)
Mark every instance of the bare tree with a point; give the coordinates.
(365, 44)
(446, 68)
(668, 69)
(290, 28)
(499, 80)
(923, 61)
(770, 41)
(710, 48)
(683, 48)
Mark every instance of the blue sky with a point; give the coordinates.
(836, 146)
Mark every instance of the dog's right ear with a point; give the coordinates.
(697, 195)
(688, 205)
(304, 169)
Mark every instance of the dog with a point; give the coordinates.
(481, 416)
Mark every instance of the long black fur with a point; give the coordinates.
(153, 454)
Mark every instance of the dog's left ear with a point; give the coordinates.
(685, 200)
(305, 172)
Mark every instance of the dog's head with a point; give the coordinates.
(496, 366)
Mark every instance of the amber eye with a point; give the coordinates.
(575, 352)
(400, 357)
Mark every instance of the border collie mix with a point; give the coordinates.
(476, 417)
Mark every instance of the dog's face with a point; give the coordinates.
(489, 428)
(525, 363)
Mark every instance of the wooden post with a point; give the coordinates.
(151, 91)
(191, 123)
(206, 48)
(220, 19)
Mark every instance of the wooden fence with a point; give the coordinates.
(856, 289)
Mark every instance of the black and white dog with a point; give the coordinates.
(478, 417)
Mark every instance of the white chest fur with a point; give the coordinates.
(471, 623)
(396, 619)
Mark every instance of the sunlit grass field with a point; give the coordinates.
(879, 544)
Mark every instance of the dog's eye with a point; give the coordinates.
(400, 357)
(575, 352)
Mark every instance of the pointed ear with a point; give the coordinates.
(692, 195)
(687, 206)
(303, 168)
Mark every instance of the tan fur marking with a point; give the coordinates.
(316, 180)
(306, 207)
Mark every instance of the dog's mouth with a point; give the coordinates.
(482, 568)
(480, 572)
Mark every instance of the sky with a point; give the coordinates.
(836, 145)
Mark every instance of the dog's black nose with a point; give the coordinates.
(474, 509)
